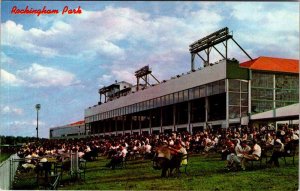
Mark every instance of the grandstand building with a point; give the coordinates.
(215, 96)
(76, 129)
(219, 95)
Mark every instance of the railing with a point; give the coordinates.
(8, 170)
(74, 164)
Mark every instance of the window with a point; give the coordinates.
(157, 102)
(262, 80)
(234, 112)
(222, 86)
(171, 98)
(262, 94)
(167, 99)
(202, 91)
(244, 99)
(191, 93)
(175, 97)
(234, 98)
(234, 85)
(244, 86)
(215, 88)
(163, 100)
(186, 95)
(209, 89)
(180, 96)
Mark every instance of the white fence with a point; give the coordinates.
(8, 170)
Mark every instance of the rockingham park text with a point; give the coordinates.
(45, 11)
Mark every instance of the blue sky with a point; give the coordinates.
(60, 61)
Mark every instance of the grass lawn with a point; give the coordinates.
(4, 156)
(205, 173)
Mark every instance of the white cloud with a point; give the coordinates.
(10, 79)
(11, 110)
(270, 30)
(101, 32)
(6, 59)
(24, 128)
(124, 75)
(23, 123)
(104, 80)
(129, 36)
(14, 35)
(42, 76)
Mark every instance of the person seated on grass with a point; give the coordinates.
(255, 154)
(278, 151)
(118, 157)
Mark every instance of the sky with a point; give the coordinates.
(60, 61)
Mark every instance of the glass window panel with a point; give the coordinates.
(209, 89)
(163, 100)
(234, 112)
(215, 87)
(234, 98)
(191, 93)
(280, 104)
(285, 81)
(171, 98)
(234, 85)
(244, 111)
(202, 91)
(186, 95)
(151, 103)
(158, 101)
(175, 97)
(145, 105)
(262, 80)
(167, 97)
(289, 95)
(244, 86)
(141, 107)
(196, 92)
(262, 94)
(244, 99)
(261, 106)
(180, 96)
(222, 86)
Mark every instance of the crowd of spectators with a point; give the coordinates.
(236, 145)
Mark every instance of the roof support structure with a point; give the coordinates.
(143, 74)
(207, 43)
